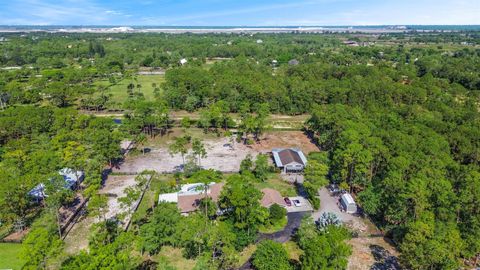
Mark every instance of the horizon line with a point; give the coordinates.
(288, 25)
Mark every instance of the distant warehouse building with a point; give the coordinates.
(289, 160)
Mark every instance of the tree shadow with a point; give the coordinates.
(147, 265)
(383, 259)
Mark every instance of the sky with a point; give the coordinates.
(239, 13)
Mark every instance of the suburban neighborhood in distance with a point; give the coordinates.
(239, 135)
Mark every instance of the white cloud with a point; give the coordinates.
(49, 12)
(301, 12)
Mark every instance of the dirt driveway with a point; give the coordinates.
(370, 249)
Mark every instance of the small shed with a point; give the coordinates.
(348, 203)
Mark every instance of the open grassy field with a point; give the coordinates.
(9, 253)
(150, 198)
(119, 90)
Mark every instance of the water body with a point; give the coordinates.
(232, 29)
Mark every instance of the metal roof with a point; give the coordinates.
(168, 197)
(287, 156)
(347, 199)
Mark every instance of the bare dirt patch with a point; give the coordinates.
(223, 153)
(285, 139)
(16, 237)
(77, 239)
(372, 253)
(114, 188)
(220, 156)
(115, 185)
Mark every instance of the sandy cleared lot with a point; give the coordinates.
(285, 139)
(220, 156)
(114, 189)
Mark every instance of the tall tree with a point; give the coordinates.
(179, 146)
(271, 255)
(241, 200)
(198, 150)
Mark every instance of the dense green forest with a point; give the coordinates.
(398, 117)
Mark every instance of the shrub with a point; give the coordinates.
(271, 255)
(311, 191)
(277, 212)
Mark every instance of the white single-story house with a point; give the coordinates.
(348, 203)
(190, 195)
(72, 180)
(185, 190)
(183, 61)
(289, 160)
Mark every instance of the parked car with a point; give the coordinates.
(287, 201)
(297, 203)
(332, 187)
(334, 190)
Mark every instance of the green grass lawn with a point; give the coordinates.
(293, 251)
(245, 254)
(9, 253)
(274, 181)
(119, 90)
(173, 256)
(151, 196)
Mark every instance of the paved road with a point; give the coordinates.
(294, 220)
(284, 235)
